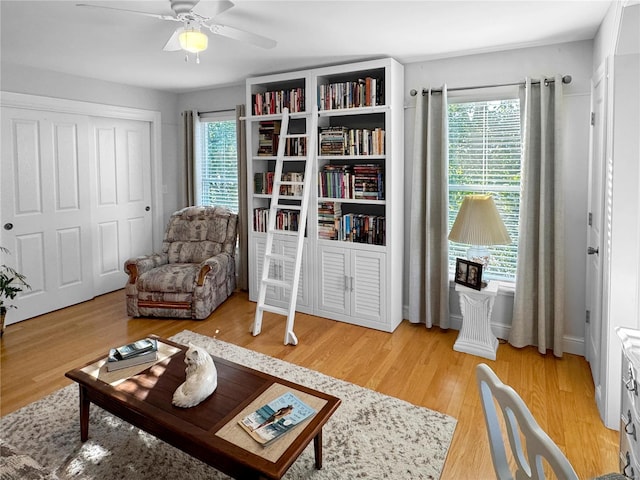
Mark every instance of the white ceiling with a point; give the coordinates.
(118, 47)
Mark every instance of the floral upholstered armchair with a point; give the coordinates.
(195, 272)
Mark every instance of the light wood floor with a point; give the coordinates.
(413, 363)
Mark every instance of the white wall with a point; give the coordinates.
(20, 79)
(513, 66)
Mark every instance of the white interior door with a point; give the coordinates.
(122, 215)
(595, 232)
(45, 207)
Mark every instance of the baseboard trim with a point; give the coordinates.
(570, 344)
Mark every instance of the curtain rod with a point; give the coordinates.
(565, 79)
(218, 111)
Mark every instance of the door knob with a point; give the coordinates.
(591, 251)
(147, 208)
(8, 226)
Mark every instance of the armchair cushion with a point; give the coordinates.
(195, 271)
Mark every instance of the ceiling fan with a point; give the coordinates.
(196, 16)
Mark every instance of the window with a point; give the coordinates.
(485, 157)
(218, 163)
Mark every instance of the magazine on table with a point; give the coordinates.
(276, 418)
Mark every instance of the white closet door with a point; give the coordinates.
(122, 217)
(44, 208)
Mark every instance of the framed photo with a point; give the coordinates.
(468, 273)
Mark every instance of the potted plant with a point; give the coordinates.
(11, 283)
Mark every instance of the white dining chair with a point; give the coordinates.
(519, 421)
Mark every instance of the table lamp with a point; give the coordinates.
(479, 224)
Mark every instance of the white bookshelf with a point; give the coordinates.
(351, 281)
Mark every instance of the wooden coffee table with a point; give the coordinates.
(142, 396)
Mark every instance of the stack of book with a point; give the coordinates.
(131, 354)
(268, 135)
(368, 182)
(329, 214)
(333, 140)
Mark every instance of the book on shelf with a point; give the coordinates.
(273, 102)
(359, 228)
(285, 219)
(335, 141)
(329, 214)
(364, 92)
(268, 137)
(144, 354)
(362, 182)
(276, 418)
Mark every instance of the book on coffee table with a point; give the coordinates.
(137, 353)
(276, 418)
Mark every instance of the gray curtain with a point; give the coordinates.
(189, 118)
(243, 249)
(428, 265)
(538, 312)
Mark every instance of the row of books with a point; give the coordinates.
(362, 228)
(263, 183)
(285, 219)
(274, 102)
(350, 141)
(365, 92)
(136, 353)
(269, 139)
(364, 181)
(332, 224)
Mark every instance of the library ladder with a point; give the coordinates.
(273, 271)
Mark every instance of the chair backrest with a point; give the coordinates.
(194, 234)
(518, 420)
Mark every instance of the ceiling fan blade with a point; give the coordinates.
(237, 34)
(136, 12)
(208, 9)
(173, 44)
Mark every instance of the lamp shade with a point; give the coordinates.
(193, 41)
(479, 223)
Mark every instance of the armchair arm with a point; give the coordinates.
(213, 264)
(139, 265)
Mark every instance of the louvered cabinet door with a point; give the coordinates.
(333, 289)
(352, 285)
(368, 285)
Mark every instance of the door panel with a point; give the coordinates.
(596, 202)
(334, 270)
(368, 273)
(123, 222)
(45, 187)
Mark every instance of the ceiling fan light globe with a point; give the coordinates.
(193, 41)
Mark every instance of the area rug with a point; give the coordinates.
(371, 435)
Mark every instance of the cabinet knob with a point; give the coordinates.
(8, 226)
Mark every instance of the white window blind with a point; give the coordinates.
(485, 148)
(219, 164)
